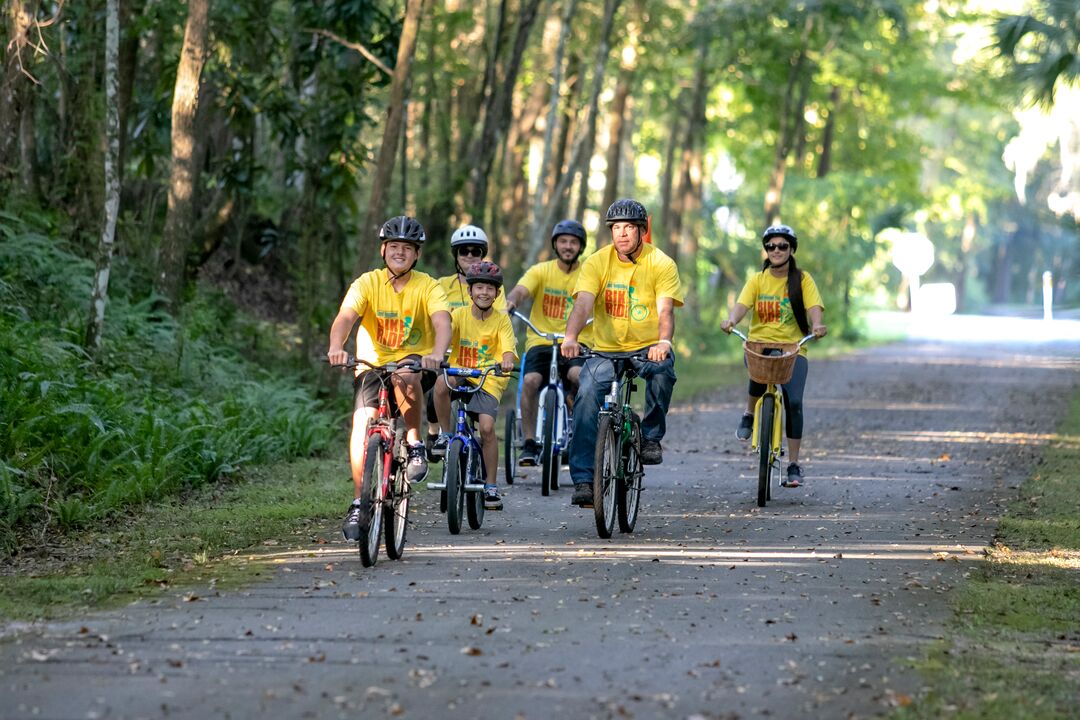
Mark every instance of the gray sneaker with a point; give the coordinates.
(794, 476)
(416, 468)
(438, 448)
(746, 427)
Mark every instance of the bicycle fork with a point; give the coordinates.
(775, 436)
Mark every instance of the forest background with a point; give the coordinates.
(186, 189)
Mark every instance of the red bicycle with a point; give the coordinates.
(384, 496)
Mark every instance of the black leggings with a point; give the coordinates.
(793, 392)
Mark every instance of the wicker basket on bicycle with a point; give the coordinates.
(770, 369)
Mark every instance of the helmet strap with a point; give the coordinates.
(392, 276)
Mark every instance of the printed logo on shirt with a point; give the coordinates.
(617, 301)
(392, 331)
(468, 357)
(773, 309)
(555, 302)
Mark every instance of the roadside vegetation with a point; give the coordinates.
(1014, 646)
(166, 406)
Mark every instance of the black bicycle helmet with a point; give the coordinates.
(484, 271)
(573, 228)
(403, 228)
(627, 210)
(780, 231)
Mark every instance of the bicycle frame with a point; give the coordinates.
(463, 429)
(554, 384)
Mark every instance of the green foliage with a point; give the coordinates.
(165, 408)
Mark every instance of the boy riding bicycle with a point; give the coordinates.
(551, 286)
(404, 312)
(639, 287)
(481, 337)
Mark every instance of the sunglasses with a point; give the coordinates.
(784, 247)
(471, 251)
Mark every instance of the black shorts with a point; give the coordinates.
(366, 387)
(538, 360)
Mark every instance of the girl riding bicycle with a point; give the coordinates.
(787, 306)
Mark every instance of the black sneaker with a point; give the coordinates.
(746, 427)
(438, 448)
(492, 500)
(530, 454)
(651, 452)
(350, 529)
(416, 468)
(582, 495)
(794, 476)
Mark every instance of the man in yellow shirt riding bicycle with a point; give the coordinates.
(551, 286)
(638, 289)
(404, 311)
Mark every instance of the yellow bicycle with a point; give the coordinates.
(770, 364)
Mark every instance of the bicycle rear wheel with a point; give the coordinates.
(605, 470)
(629, 485)
(454, 468)
(549, 479)
(510, 447)
(474, 500)
(765, 431)
(396, 515)
(371, 501)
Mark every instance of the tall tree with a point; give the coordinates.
(16, 83)
(384, 170)
(184, 171)
(100, 294)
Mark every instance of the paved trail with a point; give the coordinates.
(712, 608)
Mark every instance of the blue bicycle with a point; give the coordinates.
(462, 483)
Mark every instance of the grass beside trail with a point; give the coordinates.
(180, 543)
(1014, 646)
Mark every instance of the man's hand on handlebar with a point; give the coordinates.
(338, 357)
(431, 362)
(659, 352)
(570, 349)
(727, 325)
(819, 330)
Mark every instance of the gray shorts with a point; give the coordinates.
(482, 403)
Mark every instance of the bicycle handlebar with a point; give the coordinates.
(551, 337)
(411, 365)
(448, 372)
(587, 352)
(737, 331)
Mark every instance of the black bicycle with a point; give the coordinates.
(617, 470)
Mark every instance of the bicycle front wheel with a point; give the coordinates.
(371, 501)
(510, 447)
(454, 468)
(629, 485)
(605, 471)
(474, 500)
(549, 479)
(396, 515)
(765, 432)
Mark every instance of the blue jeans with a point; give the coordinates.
(593, 384)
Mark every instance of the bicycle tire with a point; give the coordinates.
(474, 500)
(396, 515)
(549, 477)
(371, 493)
(605, 471)
(454, 476)
(510, 447)
(765, 431)
(629, 485)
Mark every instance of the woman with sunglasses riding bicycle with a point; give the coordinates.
(787, 306)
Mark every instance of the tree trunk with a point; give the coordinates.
(184, 172)
(967, 240)
(583, 143)
(497, 122)
(557, 203)
(100, 294)
(791, 118)
(538, 232)
(129, 56)
(616, 125)
(384, 170)
(28, 147)
(15, 85)
(663, 239)
(825, 161)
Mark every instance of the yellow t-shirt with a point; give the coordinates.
(767, 297)
(552, 300)
(457, 294)
(624, 315)
(481, 343)
(398, 323)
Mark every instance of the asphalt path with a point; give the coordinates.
(712, 608)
